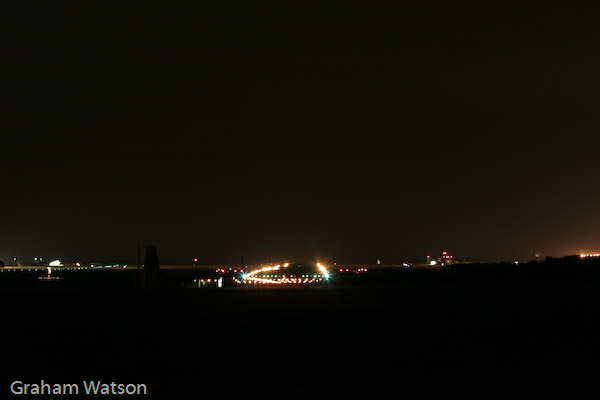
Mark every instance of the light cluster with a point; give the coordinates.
(284, 280)
(354, 270)
(218, 282)
(252, 277)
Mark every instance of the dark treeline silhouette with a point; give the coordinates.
(568, 267)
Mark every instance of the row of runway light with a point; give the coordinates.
(251, 277)
(280, 281)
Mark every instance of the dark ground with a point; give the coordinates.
(416, 337)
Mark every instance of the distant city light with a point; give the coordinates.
(582, 255)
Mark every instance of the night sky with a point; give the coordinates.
(282, 134)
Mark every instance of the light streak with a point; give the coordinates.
(258, 271)
(323, 270)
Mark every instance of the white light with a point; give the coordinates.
(323, 270)
(433, 263)
(55, 263)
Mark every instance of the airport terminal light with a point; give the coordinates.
(55, 263)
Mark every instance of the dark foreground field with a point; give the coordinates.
(418, 339)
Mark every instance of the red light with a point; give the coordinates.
(341, 270)
(195, 260)
(444, 252)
